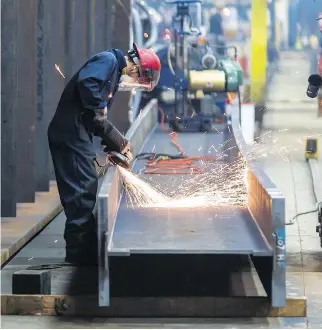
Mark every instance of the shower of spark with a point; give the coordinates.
(222, 183)
(58, 69)
(138, 192)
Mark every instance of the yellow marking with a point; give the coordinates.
(258, 51)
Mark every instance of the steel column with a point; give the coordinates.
(42, 157)
(54, 50)
(121, 40)
(9, 91)
(26, 120)
(75, 36)
(91, 20)
(99, 21)
(109, 23)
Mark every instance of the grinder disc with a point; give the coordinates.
(118, 159)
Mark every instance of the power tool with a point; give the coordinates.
(119, 159)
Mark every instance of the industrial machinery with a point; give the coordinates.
(198, 71)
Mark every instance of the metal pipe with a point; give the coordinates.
(137, 27)
(198, 22)
(137, 36)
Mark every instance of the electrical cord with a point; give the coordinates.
(292, 221)
(165, 164)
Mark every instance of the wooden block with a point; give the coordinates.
(31, 282)
(150, 307)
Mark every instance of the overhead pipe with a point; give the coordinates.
(137, 36)
(154, 29)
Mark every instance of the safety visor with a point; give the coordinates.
(145, 83)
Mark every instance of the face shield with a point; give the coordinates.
(149, 68)
(146, 83)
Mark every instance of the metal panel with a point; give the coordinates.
(54, 51)
(9, 17)
(267, 205)
(26, 120)
(41, 151)
(141, 127)
(223, 230)
(109, 22)
(76, 36)
(119, 115)
(218, 230)
(99, 21)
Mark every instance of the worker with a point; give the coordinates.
(80, 115)
(216, 30)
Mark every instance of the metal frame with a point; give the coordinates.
(111, 192)
(266, 205)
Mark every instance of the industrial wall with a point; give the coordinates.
(37, 37)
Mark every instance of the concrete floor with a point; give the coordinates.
(288, 108)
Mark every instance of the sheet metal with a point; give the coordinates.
(224, 230)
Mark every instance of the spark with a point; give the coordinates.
(221, 182)
(60, 72)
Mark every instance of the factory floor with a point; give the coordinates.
(289, 116)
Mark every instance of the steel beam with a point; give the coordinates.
(76, 36)
(121, 40)
(9, 94)
(54, 53)
(26, 120)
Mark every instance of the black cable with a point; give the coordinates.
(292, 221)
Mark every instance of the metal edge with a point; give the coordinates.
(109, 197)
(267, 206)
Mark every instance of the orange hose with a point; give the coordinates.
(175, 166)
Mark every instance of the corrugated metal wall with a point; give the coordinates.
(36, 35)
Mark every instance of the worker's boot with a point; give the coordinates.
(81, 249)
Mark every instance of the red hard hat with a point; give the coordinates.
(148, 63)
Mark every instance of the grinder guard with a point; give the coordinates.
(117, 158)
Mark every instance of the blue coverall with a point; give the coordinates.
(70, 136)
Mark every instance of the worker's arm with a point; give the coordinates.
(90, 82)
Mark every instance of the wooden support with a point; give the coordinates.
(26, 120)
(31, 282)
(9, 89)
(149, 307)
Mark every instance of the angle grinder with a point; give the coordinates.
(119, 159)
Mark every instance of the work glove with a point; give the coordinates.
(111, 137)
(126, 151)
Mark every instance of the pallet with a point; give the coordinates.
(61, 305)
